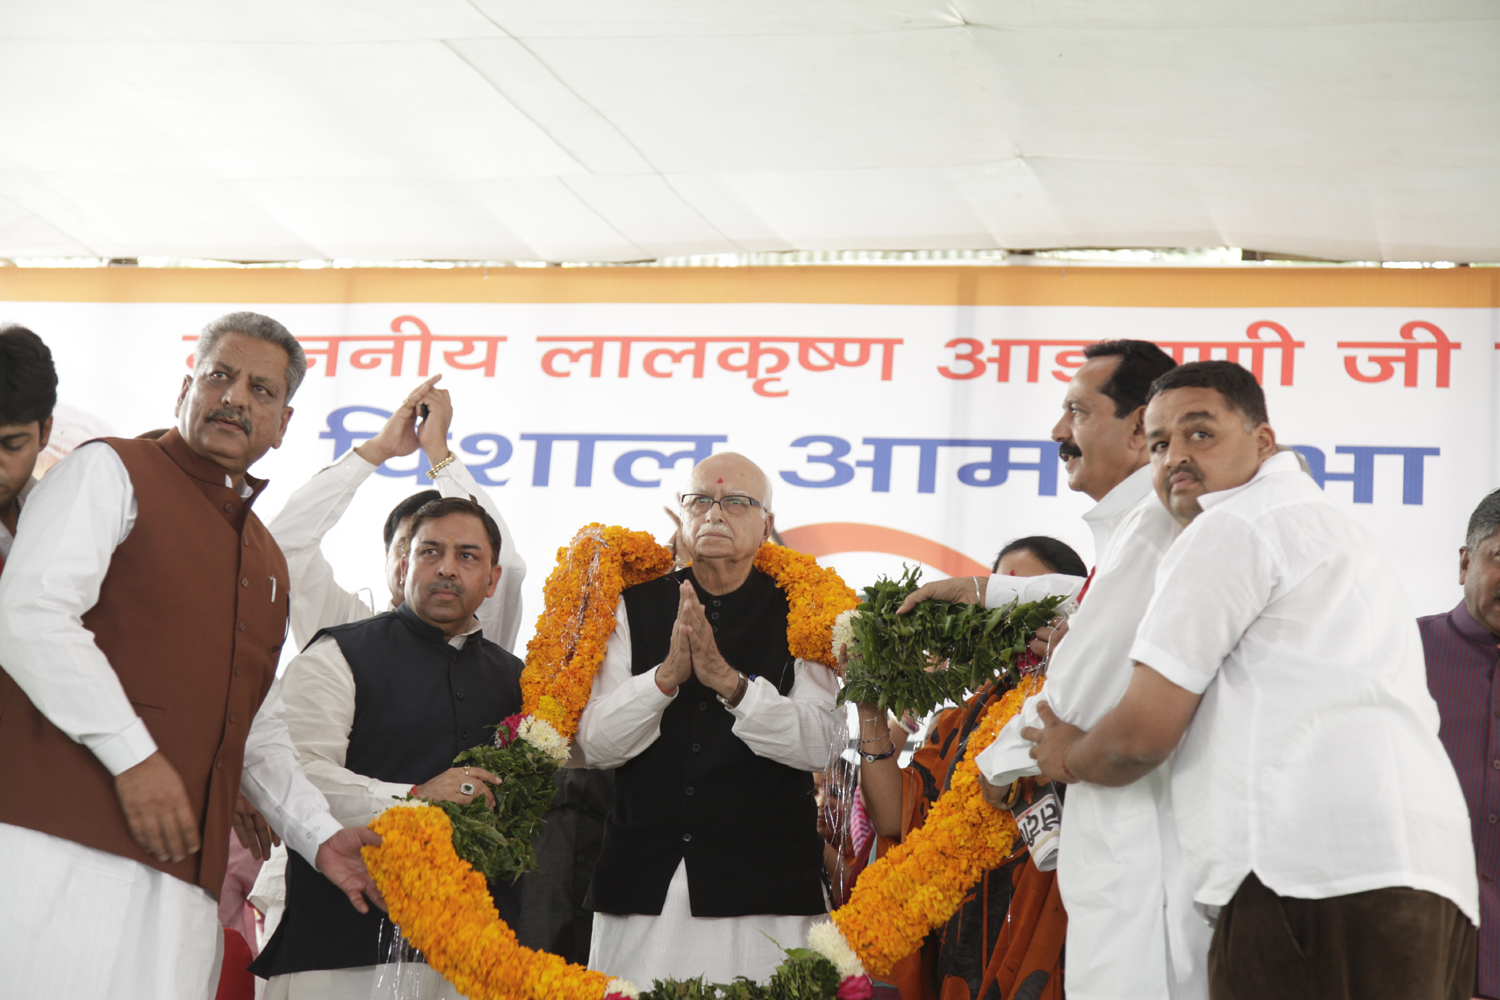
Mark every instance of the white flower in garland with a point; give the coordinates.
(843, 630)
(827, 940)
(622, 988)
(540, 734)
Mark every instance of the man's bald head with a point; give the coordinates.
(730, 472)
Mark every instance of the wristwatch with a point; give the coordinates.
(739, 692)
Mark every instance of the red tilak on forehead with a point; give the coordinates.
(721, 482)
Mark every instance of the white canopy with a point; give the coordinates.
(635, 129)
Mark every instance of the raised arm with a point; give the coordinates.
(317, 599)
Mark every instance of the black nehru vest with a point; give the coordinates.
(418, 703)
(746, 825)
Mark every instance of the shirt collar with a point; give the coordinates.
(1282, 461)
(1126, 494)
(1469, 628)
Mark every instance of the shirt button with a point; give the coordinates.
(713, 614)
(688, 790)
(687, 838)
(579, 857)
(716, 603)
(464, 735)
(229, 508)
(244, 581)
(242, 628)
(219, 762)
(716, 630)
(703, 706)
(1494, 818)
(236, 671)
(231, 716)
(696, 748)
(460, 696)
(1495, 765)
(245, 542)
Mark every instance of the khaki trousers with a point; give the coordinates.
(1385, 944)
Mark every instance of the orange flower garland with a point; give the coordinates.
(921, 882)
(443, 908)
(578, 617)
(816, 595)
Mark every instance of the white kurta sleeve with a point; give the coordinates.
(317, 599)
(276, 785)
(1001, 590)
(500, 614)
(318, 697)
(68, 532)
(623, 714)
(801, 729)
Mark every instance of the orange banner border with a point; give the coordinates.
(1226, 287)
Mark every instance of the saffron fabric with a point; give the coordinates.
(1006, 940)
(1462, 656)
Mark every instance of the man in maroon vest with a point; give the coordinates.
(142, 613)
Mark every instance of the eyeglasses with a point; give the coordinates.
(733, 506)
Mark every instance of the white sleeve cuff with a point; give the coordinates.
(121, 751)
(393, 791)
(308, 837)
(647, 690)
(1149, 654)
(756, 692)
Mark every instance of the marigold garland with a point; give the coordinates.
(443, 907)
(922, 881)
(815, 595)
(579, 615)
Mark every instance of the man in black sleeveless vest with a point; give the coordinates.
(711, 854)
(379, 709)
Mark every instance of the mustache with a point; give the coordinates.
(234, 416)
(1067, 449)
(452, 586)
(1187, 467)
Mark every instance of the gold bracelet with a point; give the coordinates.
(432, 472)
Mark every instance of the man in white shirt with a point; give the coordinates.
(711, 853)
(318, 602)
(1317, 810)
(427, 686)
(138, 586)
(1132, 931)
(28, 392)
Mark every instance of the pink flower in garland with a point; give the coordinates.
(855, 988)
(505, 734)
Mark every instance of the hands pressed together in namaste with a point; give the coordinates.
(694, 652)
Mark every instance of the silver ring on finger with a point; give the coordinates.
(467, 788)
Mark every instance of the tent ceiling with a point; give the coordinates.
(633, 129)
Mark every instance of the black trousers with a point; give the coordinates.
(1385, 944)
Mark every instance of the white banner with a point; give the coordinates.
(916, 432)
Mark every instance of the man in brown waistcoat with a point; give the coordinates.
(142, 613)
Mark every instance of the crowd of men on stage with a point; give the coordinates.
(1278, 780)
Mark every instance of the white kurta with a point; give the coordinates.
(319, 693)
(623, 718)
(163, 934)
(1132, 931)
